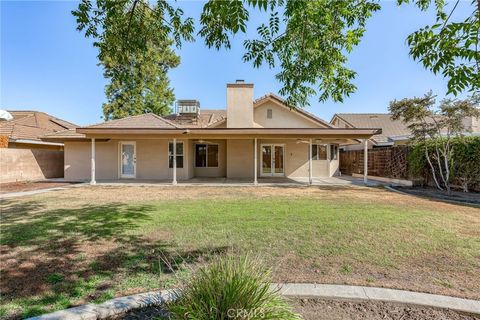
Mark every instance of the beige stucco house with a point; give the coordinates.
(248, 140)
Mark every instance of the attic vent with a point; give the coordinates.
(187, 107)
(373, 117)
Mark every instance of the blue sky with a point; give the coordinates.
(47, 65)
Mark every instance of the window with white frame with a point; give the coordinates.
(206, 155)
(179, 153)
(319, 152)
(333, 152)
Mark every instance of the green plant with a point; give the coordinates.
(230, 288)
(464, 167)
(54, 278)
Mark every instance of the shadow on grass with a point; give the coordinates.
(51, 258)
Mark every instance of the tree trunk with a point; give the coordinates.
(432, 168)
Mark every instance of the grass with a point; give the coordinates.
(89, 244)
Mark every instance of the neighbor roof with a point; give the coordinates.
(31, 125)
(390, 128)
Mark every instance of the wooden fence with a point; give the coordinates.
(390, 162)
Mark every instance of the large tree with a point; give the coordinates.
(135, 55)
(308, 39)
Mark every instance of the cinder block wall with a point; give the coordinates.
(30, 164)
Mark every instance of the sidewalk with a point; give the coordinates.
(324, 291)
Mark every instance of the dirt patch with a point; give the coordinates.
(319, 309)
(30, 186)
(316, 309)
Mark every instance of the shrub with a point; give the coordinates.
(230, 288)
(464, 163)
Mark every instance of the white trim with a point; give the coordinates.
(365, 161)
(178, 155)
(310, 166)
(128, 176)
(255, 162)
(206, 154)
(92, 163)
(272, 165)
(174, 181)
(36, 142)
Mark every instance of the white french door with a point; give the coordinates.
(128, 160)
(273, 160)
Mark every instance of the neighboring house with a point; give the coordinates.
(26, 127)
(394, 132)
(23, 155)
(250, 139)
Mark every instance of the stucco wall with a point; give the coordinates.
(151, 155)
(240, 159)
(30, 164)
(281, 117)
(235, 160)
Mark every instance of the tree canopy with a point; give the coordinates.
(308, 40)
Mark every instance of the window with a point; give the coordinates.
(319, 152)
(333, 152)
(269, 113)
(206, 155)
(179, 154)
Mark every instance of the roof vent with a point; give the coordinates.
(187, 107)
(373, 117)
(239, 81)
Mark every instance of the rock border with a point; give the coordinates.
(121, 305)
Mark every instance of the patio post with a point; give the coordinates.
(174, 182)
(255, 181)
(365, 161)
(310, 167)
(92, 165)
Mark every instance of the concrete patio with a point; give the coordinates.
(328, 181)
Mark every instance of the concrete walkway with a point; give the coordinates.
(38, 191)
(298, 290)
(328, 291)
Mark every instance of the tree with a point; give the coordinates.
(135, 52)
(434, 127)
(309, 40)
(450, 47)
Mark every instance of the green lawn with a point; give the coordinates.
(89, 244)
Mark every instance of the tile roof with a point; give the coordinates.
(147, 120)
(31, 125)
(206, 118)
(389, 127)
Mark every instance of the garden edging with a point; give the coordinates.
(121, 305)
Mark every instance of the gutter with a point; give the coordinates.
(36, 142)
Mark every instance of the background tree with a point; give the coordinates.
(135, 51)
(434, 128)
(309, 40)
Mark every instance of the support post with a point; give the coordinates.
(365, 161)
(255, 181)
(310, 166)
(174, 181)
(92, 163)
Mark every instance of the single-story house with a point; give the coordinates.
(24, 129)
(394, 132)
(23, 155)
(250, 139)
